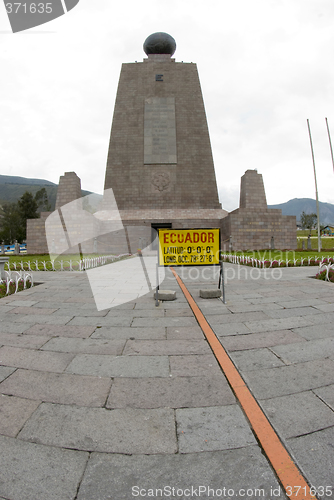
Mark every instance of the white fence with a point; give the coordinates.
(327, 268)
(323, 262)
(16, 272)
(17, 277)
(64, 265)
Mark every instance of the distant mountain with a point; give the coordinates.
(13, 179)
(13, 187)
(307, 205)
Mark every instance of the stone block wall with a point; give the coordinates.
(253, 230)
(36, 237)
(69, 189)
(253, 225)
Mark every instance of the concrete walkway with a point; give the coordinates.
(120, 403)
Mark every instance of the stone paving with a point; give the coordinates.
(118, 403)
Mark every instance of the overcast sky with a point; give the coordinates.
(265, 66)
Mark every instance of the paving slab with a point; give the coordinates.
(81, 300)
(56, 305)
(33, 359)
(314, 453)
(175, 322)
(305, 351)
(5, 309)
(14, 413)
(315, 331)
(81, 312)
(176, 392)
(236, 307)
(24, 341)
(166, 347)
(321, 319)
(326, 394)
(276, 324)
(258, 340)
(61, 331)
(154, 312)
(185, 472)
(198, 365)
(268, 300)
(291, 379)
(121, 366)
(180, 303)
(214, 306)
(312, 415)
(179, 312)
(59, 388)
(184, 332)
(106, 321)
(287, 304)
(40, 472)
(54, 297)
(126, 332)
(10, 327)
(98, 429)
(85, 346)
(32, 310)
(326, 307)
(204, 429)
(219, 319)
(29, 319)
(255, 359)
(288, 313)
(18, 302)
(231, 329)
(5, 371)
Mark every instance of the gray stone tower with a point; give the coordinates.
(253, 225)
(160, 154)
(69, 189)
(252, 193)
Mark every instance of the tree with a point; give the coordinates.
(41, 198)
(27, 208)
(11, 224)
(14, 216)
(308, 221)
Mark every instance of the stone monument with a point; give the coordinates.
(160, 163)
(69, 189)
(159, 172)
(254, 226)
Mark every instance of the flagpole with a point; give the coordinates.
(316, 188)
(330, 143)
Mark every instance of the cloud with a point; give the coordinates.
(264, 69)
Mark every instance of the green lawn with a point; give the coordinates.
(278, 255)
(327, 243)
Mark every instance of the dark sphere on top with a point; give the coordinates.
(159, 43)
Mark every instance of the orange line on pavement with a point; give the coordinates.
(294, 483)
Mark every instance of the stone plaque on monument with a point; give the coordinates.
(159, 131)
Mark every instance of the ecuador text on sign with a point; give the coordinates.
(186, 247)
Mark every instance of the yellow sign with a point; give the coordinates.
(189, 247)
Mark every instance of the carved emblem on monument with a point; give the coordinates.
(160, 180)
